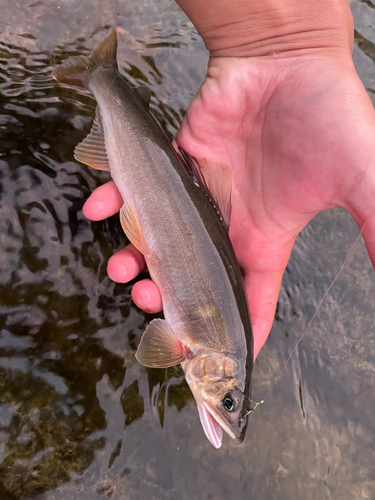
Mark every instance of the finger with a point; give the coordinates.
(146, 296)
(262, 290)
(360, 202)
(368, 233)
(103, 202)
(125, 264)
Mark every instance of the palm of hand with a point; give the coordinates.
(295, 145)
(298, 138)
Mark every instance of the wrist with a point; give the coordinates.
(263, 28)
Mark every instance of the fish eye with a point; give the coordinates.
(230, 403)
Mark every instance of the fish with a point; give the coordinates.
(176, 212)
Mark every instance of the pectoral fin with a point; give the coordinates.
(159, 348)
(92, 151)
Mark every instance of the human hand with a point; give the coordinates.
(297, 133)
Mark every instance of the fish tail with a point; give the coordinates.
(77, 70)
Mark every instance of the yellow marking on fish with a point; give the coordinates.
(207, 311)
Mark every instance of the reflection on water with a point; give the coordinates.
(79, 417)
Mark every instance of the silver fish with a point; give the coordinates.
(176, 212)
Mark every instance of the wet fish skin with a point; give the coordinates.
(186, 246)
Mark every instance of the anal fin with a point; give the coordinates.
(92, 150)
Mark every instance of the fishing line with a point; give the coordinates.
(349, 254)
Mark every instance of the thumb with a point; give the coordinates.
(361, 206)
(264, 266)
(367, 227)
(262, 290)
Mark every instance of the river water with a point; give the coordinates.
(79, 417)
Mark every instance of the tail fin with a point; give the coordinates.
(76, 70)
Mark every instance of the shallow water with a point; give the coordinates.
(79, 417)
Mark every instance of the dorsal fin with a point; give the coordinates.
(92, 151)
(215, 181)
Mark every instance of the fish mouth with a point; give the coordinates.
(211, 426)
(219, 419)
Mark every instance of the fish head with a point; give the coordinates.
(218, 383)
